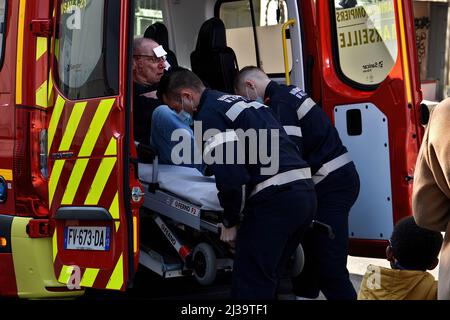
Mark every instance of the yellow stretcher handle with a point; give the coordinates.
(284, 27)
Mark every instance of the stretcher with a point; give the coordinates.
(184, 206)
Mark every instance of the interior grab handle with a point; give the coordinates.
(284, 27)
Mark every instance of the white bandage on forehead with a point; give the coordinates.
(160, 52)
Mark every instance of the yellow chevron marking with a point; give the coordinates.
(65, 274)
(116, 280)
(114, 209)
(41, 95)
(54, 179)
(56, 115)
(89, 277)
(6, 174)
(112, 148)
(50, 87)
(74, 181)
(55, 245)
(72, 126)
(19, 61)
(41, 47)
(101, 177)
(96, 127)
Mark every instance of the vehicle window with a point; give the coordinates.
(269, 17)
(88, 60)
(2, 30)
(147, 13)
(366, 39)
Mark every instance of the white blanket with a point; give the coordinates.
(187, 183)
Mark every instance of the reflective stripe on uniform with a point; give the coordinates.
(240, 106)
(293, 131)
(218, 139)
(283, 178)
(331, 166)
(306, 106)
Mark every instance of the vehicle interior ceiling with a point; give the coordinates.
(184, 18)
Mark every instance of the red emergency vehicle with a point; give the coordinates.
(67, 157)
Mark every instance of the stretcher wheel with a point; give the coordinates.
(205, 264)
(298, 261)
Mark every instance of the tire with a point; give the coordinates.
(204, 264)
(298, 261)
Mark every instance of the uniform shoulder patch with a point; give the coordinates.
(299, 93)
(229, 98)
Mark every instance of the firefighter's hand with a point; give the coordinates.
(227, 234)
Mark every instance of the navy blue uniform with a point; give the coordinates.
(271, 227)
(337, 187)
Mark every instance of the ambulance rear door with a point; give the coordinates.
(95, 239)
(370, 88)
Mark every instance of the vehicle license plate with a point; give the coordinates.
(87, 238)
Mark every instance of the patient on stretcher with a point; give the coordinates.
(173, 139)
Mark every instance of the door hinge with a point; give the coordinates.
(42, 27)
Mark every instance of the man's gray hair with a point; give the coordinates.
(140, 43)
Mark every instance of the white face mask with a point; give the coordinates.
(185, 116)
(256, 97)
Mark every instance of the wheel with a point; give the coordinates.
(298, 261)
(205, 264)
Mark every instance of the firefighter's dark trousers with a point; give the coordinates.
(326, 259)
(274, 222)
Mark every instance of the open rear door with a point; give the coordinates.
(88, 145)
(370, 87)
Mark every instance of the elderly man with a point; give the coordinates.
(148, 68)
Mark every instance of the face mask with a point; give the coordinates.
(257, 98)
(185, 116)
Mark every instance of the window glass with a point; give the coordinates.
(88, 57)
(269, 17)
(147, 13)
(2, 29)
(366, 39)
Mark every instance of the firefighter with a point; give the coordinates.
(334, 175)
(271, 227)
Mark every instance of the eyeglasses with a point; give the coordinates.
(153, 59)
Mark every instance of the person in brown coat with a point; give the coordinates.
(431, 189)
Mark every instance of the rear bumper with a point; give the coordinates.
(33, 270)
